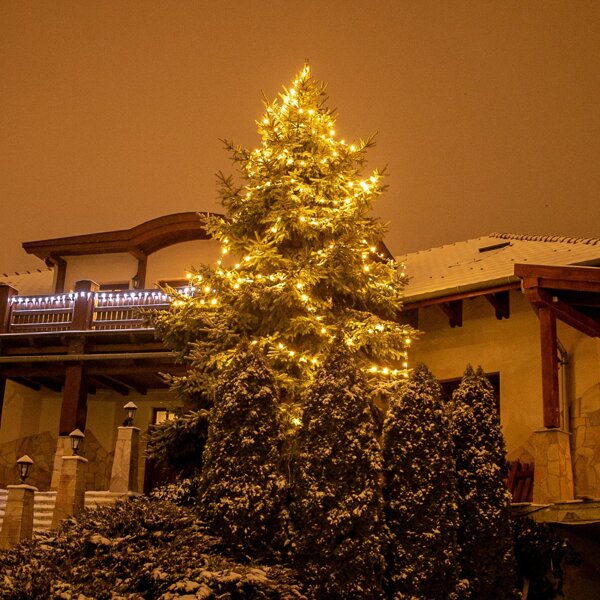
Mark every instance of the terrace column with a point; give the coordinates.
(18, 515)
(73, 414)
(553, 480)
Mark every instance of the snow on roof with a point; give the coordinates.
(488, 261)
(30, 283)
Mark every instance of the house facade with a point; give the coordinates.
(74, 349)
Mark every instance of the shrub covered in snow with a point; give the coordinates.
(241, 487)
(135, 550)
(337, 504)
(419, 491)
(486, 553)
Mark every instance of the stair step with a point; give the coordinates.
(43, 505)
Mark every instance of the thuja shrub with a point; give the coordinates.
(242, 489)
(336, 498)
(136, 549)
(486, 554)
(419, 491)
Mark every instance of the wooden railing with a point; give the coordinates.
(84, 309)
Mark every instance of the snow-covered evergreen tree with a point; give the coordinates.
(241, 487)
(306, 262)
(336, 497)
(486, 555)
(419, 492)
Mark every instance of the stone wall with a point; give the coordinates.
(41, 448)
(586, 454)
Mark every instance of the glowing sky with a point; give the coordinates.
(487, 113)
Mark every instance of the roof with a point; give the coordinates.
(488, 262)
(30, 283)
(145, 238)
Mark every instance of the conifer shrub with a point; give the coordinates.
(486, 555)
(419, 492)
(337, 506)
(242, 489)
(143, 548)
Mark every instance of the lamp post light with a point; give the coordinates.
(24, 465)
(130, 407)
(76, 438)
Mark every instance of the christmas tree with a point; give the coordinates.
(419, 492)
(241, 487)
(336, 505)
(484, 535)
(302, 257)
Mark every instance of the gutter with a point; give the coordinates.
(54, 358)
(460, 289)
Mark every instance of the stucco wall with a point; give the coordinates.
(509, 347)
(101, 268)
(30, 425)
(174, 261)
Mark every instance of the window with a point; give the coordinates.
(449, 385)
(161, 415)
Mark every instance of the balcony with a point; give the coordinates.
(40, 336)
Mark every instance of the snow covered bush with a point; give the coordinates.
(486, 554)
(241, 487)
(183, 492)
(419, 491)
(337, 506)
(137, 549)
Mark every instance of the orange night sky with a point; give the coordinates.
(487, 112)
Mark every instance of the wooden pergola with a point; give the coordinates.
(569, 294)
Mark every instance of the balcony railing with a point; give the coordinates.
(83, 309)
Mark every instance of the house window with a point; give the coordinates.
(449, 385)
(161, 415)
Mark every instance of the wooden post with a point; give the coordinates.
(83, 308)
(548, 340)
(73, 410)
(6, 294)
(2, 390)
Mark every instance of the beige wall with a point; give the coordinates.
(101, 268)
(174, 261)
(30, 424)
(509, 347)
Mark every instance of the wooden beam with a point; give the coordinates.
(501, 303)
(113, 384)
(560, 277)
(83, 306)
(548, 340)
(73, 410)
(569, 315)
(454, 311)
(409, 305)
(2, 390)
